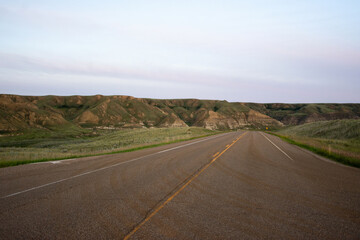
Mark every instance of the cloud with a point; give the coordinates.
(160, 74)
(236, 50)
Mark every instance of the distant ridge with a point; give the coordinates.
(18, 113)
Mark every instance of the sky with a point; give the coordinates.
(241, 51)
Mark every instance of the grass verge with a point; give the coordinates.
(20, 162)
(334, 156)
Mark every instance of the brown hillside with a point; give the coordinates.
(22, 112)
(295, 114)
(19, 113)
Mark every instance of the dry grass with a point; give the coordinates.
(337, 139)
(41, 149)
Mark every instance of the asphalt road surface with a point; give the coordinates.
(239, 185)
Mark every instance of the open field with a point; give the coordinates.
(71, 141)
(338, 139)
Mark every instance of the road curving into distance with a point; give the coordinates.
(239, 185)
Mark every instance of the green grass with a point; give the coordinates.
(336, 129)
(44, 145)
(355, 162)
(338, 139)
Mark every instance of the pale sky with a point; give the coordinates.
(240, 51)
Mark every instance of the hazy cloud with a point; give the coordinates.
(307, 51)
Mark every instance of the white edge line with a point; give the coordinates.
(277, 147)
(79, 175)
(104, 168)
(166, 150)
(321, 158)
(170, 149)
(61, 161)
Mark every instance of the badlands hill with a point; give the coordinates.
(18, 113)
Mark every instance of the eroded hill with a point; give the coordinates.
(18, 113)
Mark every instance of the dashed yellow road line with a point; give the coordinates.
(216, 154)
(179, 190)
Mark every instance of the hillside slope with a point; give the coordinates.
(295, 114)
(18, 113)
(335, 129)
(336, 139)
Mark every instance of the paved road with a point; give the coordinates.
(240, 185)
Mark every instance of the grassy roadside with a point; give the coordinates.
(347, 160)
(112, 142)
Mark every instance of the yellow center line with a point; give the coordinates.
(216, 154)
(180, 189)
